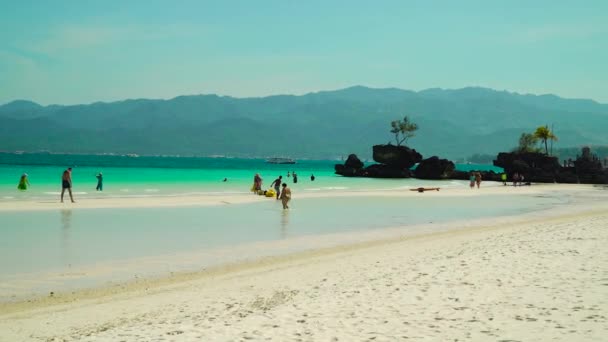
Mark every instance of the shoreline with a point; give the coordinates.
(32, 286)
(339, 241)
(327, 283)
(230, 198)
(384, 237)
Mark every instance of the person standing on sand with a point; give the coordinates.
(515, 178)
(277, 185)
(99, 182)
(472, 180)
(23, 182)
(66, 183)
(285, 196)
(478, 179)
(503, 178)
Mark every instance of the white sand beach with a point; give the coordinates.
(532, 278)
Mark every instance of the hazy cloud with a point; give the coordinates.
(557, 32)
(77, 37)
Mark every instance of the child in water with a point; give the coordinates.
(23, 182)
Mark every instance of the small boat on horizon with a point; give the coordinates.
(280, 161)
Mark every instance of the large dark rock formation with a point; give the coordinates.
(434, 168)
(536, 167)
(589, 168)
(353, 167)
(401, 157)
(395, 162)
(353, 162)
(386, 171)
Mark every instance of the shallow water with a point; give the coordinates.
(62, 241)
(156, 176)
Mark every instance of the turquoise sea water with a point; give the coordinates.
(170, 176)
(57, 249)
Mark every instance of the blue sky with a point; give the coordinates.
(82, 51)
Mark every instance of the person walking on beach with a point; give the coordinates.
(515, 178)
(295, 177)
(472, 180)
(478, 179)
(66, 183)
(257, 182)
(277, 185)
(23, 182)
(285, 196)
(99, 182)
(503, 178)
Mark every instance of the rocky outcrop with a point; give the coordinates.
(386, 171)
(353, 162)
(536, 167)
(353, 167)
(567, 175)
(401, 157)
(434, 168)
(589, 168)
(394, 162)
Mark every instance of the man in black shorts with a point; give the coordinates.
(277, 185)
(66, 183)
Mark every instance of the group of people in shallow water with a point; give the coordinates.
(283, 192)
(66, 183)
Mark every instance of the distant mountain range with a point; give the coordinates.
(328, 124)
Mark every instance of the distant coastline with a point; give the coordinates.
(169, 161)
(453, 123)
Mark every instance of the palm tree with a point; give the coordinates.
(544, 134)
(527, 143)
